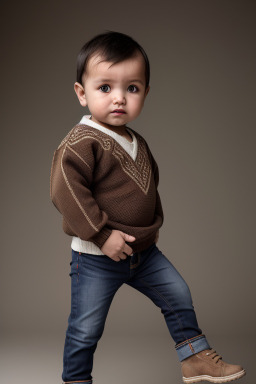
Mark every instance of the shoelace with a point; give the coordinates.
(215, 356)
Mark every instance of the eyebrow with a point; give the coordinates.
(109, 80)
(137, 81)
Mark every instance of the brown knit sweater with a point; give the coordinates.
(97, 187)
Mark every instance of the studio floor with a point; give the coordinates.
(37, 359)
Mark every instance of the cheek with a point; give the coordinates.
(137, 104)
(97, 101)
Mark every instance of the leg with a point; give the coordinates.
(158, 279)
(94, 283)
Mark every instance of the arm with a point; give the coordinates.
(155, 169)
(71, 178)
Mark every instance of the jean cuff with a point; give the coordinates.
(191, 346)
(78, 382)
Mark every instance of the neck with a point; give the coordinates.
(121, 130)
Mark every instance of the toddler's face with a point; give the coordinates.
(108, 88)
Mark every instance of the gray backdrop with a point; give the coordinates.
(199, 120)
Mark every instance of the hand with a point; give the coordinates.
(157, 236)
(115, 246)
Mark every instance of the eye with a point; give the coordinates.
(105, 88)
(133, 88)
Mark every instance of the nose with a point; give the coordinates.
(118, 98)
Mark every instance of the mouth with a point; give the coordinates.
(118, 112)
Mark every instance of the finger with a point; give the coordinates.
(128, 237)
(120, 256)
(116, 258)
(123, 256)
(128, 250)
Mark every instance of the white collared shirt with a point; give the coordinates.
(131, 148)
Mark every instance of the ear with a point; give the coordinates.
(79, 90)
(147, 91)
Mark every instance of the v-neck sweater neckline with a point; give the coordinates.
(130, 147)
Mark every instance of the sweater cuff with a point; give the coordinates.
(101, 237)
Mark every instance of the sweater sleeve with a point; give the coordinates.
(71, 178)
(155, 169)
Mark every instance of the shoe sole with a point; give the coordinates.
(223, 379)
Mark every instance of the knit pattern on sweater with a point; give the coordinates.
(139, 170)
(97, 187)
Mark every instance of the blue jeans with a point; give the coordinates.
(94, 281)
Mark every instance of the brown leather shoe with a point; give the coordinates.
(208, 365)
